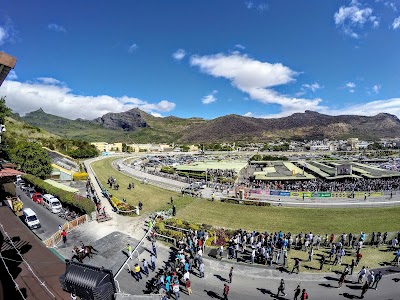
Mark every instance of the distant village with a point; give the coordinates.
(351, 144)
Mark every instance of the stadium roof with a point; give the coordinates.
(7, 62)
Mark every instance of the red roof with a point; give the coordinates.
(7, 172)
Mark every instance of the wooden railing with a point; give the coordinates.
(56, 238)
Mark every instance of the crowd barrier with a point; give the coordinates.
(282, 193)
(56, 238)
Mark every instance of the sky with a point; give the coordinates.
(209, 58)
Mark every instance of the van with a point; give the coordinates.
(30, 218)
(51, 203)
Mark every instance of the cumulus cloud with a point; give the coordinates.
(351, 19)
(391, 106)
(210, 98)
(179, 54)
(12, 75)
(132, 48)
(255, 78)
(56, 27)
(57, 98)
(396, 23)
(7, 32)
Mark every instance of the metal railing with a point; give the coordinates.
(56, 238)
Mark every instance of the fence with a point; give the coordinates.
(121, 296)
(56, 238)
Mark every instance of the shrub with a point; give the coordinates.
(80, 176)
(194, 227)
(83, 204)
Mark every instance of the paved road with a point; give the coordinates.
(48, 220)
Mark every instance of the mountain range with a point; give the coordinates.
(137, 126)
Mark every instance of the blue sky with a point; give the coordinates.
(202, 58)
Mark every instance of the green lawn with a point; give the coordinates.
(153, 198)
(317, 220)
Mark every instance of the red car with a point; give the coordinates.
(37, 197)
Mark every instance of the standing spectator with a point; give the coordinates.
(129, 247)
(153, 245)
(378, 278)
(175, 289)
(310, 254)
(297, 292)
(145, 267)
(137, 274)
(358, 258)
(201, 269)
(226, 291)
(59, 227)
(304, 295)
(352, 265)
(230, 275)
(188, 286)
(64, 236)
(281, 288)
(341, 279)
(153, 262)
(322, 262)
(361, 275)
(221, 251)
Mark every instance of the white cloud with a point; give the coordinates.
(7, 32)
(313, 87)
(391, 106)
(132, 48)
(59, 99)
(157, 115)
(254, 78)
(376, 88)
(179, 54)
(396, 23)
(350, 86)
(56, 27)
(49, 81)
(12, 75)
(352, 18)
(210, 98)
(259, 5)
(3, 35)
(248, 114)
(240, 46)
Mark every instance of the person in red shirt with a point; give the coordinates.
(226, 291)
(64, 236)
(304, 295)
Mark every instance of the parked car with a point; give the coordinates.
(30, 218)
(30, 191)
(37, 197)
(52, 203)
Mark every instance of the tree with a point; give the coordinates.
(5, 111)
(32, 159)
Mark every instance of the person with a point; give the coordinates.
(304, 295)
(322, 262)
(371, 278)
(281, 288)
(361, 275)
(140, 205)
(173, 210)
(145, 267)
(137, 274)
(296, 266)
(221, 251)
(59, 227)
(188, 286)
(297, 292)
(172, 201)
(341, 280)
(226, 291)
(153, 245)
(129, 251)
(364, 289)
(230, 275)
(153, 262)
(175, 289)
(212, 197)
(201, 269)
(64, 236)
(352, 265)
(73, 296)
(378, 278)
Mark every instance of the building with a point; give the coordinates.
(7, 63)
(353, 143)
(106, 147)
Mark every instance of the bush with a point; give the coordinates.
(83, 204)
(80, 176)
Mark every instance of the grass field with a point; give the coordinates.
(317, 220)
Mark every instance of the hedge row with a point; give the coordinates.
(84, 204)
(80, 176)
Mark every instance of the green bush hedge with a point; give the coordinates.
(84, 204)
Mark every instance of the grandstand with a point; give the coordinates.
(62, 161)
(281, 170)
